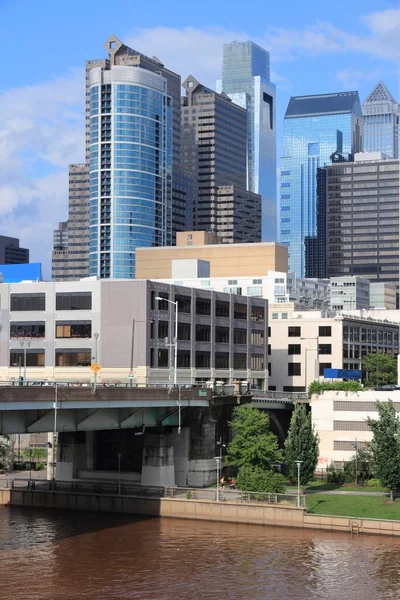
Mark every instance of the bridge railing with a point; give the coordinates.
(228, 495)
(276, 395)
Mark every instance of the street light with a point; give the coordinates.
(306, 361)
(30, 467)
(96, 337)
(355, 447)
(119, 473)
(218, 461)
(55, 432)
(298, 463)
(25, 344)
(175, 303)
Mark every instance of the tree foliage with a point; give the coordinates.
(253, 444)
(302, 443)
(365, 466)
(386, 445)
(318, 387)
(255, 479)
(5, 451)
(381, 369)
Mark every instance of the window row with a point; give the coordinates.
(202, 360)
(64, 301)
(203, 334)
(64, 329)
(63, 358)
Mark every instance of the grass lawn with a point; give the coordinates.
(373, 507)
(340, 487)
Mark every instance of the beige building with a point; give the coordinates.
(304, 343)
(236, 260)
(340, 419)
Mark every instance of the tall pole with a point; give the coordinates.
(96, 337)
(176, 343)
(218, 478)
(30, 468)
(298, 463)
(355, 445)
(55, 432)
(132, 350)
(119, 473)
(179, 410)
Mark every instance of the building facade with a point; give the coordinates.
(11, 253)
(62, 328)
(214, 151)
(133, 154)
(225, 259)
(362, 219)
(349, 293)
(304, 343)
(315, 128)
(246, 79)
(383, 295)
(381, 122)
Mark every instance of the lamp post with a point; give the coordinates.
(218, 461)
(306, 351)
(119, 472)
(25, 344)
(96, 337)
(30, 467)
(175, 303)
(355, 447)
(298, 463)
(54, 432)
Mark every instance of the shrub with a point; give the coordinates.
(318, 387)
(39, 466)
(255, 479)
(335, 476)
(373, 483)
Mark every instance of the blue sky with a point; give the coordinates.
(315, 47)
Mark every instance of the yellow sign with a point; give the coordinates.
(95, 367)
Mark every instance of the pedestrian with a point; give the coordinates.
(233, 484)
(222, 481)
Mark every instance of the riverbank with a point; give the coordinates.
(202, 510)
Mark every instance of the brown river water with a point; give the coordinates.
(51, 555)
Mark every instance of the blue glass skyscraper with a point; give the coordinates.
(246, 80)
(315, 127)
(131, 150)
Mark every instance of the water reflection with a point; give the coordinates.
(60, 555)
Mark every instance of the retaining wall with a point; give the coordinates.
(204, 510)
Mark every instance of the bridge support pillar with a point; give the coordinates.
(158, 461)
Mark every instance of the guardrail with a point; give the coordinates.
(121, 488)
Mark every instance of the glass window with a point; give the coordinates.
(203, 306)
(162, 355)
(203, 333)
(240, 311)
(184, 303)
(239, 336)
(257, 337)
(27, 330)
(202, 360)
(325, 331)
(70, 329)
(73, 357)
(222, 360)
(294, 349)
(163, 329)
(74, 301)
(221, 309)
(20, 302)
(184, 331)
(323, 366)
(294, 331)
(34, 358)
(239, 361)
(257, 314)
(325, 349)
(222, 335)
(183, 359)
(257, 362)
(294, 369)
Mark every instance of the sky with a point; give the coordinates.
(315, 47)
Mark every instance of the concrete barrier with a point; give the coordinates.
(5, 495)
(203, 510)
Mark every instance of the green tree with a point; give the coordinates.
(38, 453)
(5, 451)
(381, 369)
(253, 443)
(386, 445)
(365, 466)
(302, 443)
(255, 479)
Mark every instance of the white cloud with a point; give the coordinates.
(353, 78)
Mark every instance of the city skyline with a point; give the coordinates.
(42, 123)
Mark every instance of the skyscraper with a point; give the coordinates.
(315, 128)
(214, 151)
(381, 122)
(246, 80)
(133, 146)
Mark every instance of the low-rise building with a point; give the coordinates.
(347, 293)
(383, 295)
(340, 419)
(304, 343)
(56, 331)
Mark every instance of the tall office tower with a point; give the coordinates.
(362, 218)
(246, 80)
(11, 253)
(381, 122)
(315, 128)
(71, 239)
(214, 151)
(133, 147)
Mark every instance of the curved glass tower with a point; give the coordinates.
(130, 167)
